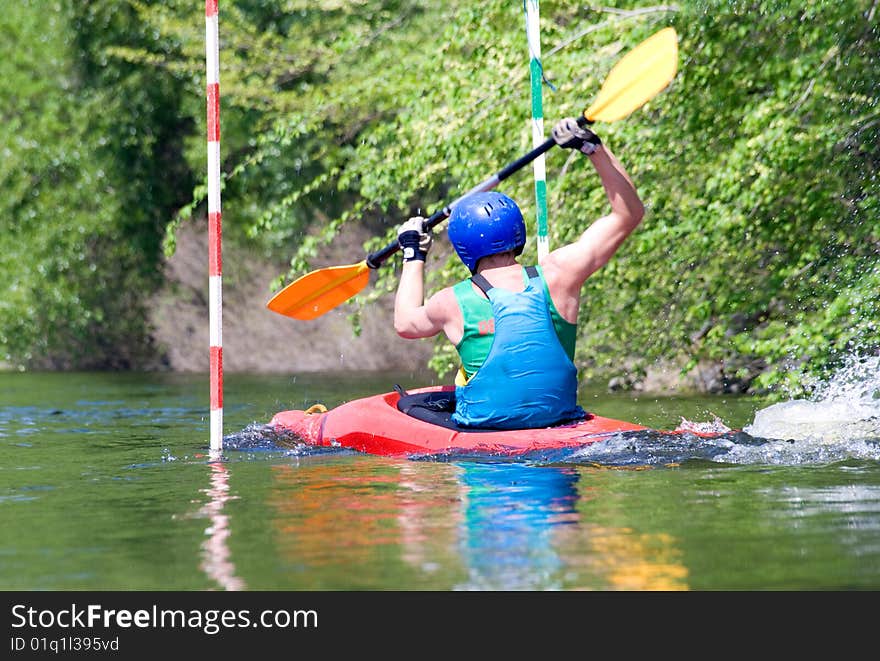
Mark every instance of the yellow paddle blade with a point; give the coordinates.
(637, 78)
(319, 291)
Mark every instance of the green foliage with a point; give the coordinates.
(89, 173)
(758, 166)
(768, 231)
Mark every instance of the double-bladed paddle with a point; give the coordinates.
(633, 81)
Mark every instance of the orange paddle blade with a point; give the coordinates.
(319, 291)
(637, 78)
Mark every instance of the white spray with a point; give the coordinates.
(846, 407)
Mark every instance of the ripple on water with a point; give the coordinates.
(266, 438)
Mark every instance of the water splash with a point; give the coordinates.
(840, 421)
(716, 426)
(266, 438)
(259, 437)
(842, 409)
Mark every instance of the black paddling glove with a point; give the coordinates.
(409, 241)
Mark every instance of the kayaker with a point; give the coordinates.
(514, 327)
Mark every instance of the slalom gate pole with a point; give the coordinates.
(533, 36)
(215, 262)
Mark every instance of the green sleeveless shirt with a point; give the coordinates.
(479, 326)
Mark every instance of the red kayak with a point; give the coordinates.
(377, 426)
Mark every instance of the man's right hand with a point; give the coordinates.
(569, 135)
(414, 240)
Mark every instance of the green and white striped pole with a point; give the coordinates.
(533, 35)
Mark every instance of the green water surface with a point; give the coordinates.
(105, 484)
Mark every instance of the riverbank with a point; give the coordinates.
(255, 339)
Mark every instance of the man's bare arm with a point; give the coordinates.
(577, 261)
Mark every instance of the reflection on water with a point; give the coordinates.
(427, 516)
(352, 525)
(523, 529)
(624, 557)
(509, 515)
(849, 508)
(471, 525)
(216, 558)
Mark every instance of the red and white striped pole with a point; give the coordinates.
(215, 262)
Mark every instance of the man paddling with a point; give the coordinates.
(514, 327)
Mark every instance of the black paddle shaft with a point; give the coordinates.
(376, 259)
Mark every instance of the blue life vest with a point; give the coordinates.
(527, 381)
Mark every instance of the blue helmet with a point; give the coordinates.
(485, 224)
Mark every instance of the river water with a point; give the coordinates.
(106, 484)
